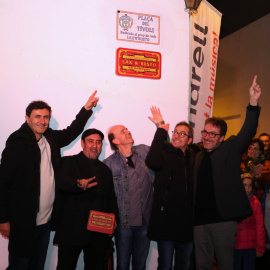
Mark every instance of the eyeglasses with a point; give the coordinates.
(265, 141)
(181, 134)
(210, 134)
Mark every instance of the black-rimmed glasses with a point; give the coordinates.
(181, 134)
(210, 134)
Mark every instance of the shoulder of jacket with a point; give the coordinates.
(104, 166)
(110, 158)
(70, 158)
(22, 136)
(141, 147)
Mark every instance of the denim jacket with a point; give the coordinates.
(121, 182)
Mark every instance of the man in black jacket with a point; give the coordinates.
(220, 199)
(86, 184)
(171, 222)
(28, 164)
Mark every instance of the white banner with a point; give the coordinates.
(204, 42)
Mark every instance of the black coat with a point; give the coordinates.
(20, 179)
(231, 199)
(173, 191)
(77, 203)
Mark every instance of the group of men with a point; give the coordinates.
(159, 192)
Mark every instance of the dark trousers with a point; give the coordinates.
(244, 259)
(37, 262)
(94, 256)
(180, 251)
(218, 238)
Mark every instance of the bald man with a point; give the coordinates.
(133, 187)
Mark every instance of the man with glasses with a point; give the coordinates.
(171, 216)
(220, 199)
(264, 137)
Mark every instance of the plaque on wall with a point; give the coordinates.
(138, 27)
(138, 63)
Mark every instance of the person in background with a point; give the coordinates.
(250, 237)
(259, 167)
(264, 137)
(264, 181)
(254, 159)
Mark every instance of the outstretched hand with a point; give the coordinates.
(156, 115)
(91, 102)
(86, 183)
(254, 92)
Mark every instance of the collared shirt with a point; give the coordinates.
(140, 189)
(119, 168)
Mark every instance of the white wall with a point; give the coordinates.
(61, 51)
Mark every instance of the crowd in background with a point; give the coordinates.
(256, 162)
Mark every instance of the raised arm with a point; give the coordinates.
(91, 102)
(164, 126)
(155, 158)
(156, 115)
(250, 125)
(65, 136)
(254, 92)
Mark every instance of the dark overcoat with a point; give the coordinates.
(20, 179)
(77, 203)
(231, 199)
(171, 215)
